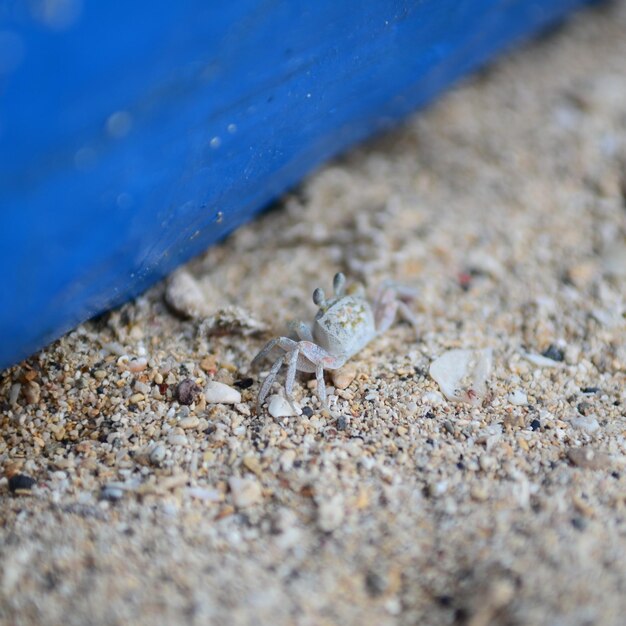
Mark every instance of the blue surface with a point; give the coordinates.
(135, 134)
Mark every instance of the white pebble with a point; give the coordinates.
(157, 455)
(462, 374)
(432, 397)
(280, 407)
(245, 491)
(518, 397)
(330, 513)
(539, 360)
(184, 295)
(219, 393)
(588, 423)
(176, 439)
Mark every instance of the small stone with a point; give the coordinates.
(188, 423)
(588, 458)
(584, 408)
(184, 295)
(308, 411)
(245, 491)
(535, 424)
(112, 493)
(157, 455)
(32, 392)
(14, 393)
(539, 360)
(232, 320)
(518, 397)
(462, 374)
(330, 513)
(587, 423)
(287, 459)
(432, 397)
(479, 493)
(187, 391)
(252, 464)
(280, 407)
(219, 393)
(343, 377)
(136, 397)
(553, 352)
(20, 484)
(176, 437)
(342, 422)
(486, 462)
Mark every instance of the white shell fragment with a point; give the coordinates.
(184, 295)
(539, 360)
(280, 407)
(245, 491)
(219, 393)
(586, 423)
(518, 397)
(462, 374)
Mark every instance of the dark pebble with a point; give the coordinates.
(20, 483)
(590, 389)
(187, 391)
(244, 383)
(584, 408)
(554, 353)
(579, 523)
(308, 411)
(535, 425)
(615, 475)
(430, 415)
(342, 423)
(375, 583)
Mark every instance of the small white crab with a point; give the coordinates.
(342, 326)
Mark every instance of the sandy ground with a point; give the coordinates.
(505, 207)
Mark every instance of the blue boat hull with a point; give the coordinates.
(134, 135)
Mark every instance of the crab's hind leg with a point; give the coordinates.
(392, 300)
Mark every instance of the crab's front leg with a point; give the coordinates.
(392, 301)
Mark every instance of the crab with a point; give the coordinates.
(343, 325)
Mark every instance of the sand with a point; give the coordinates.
(127, 499)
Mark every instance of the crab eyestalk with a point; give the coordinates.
(339, 282)
(319, 299)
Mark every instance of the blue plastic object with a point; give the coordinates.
(135, 134)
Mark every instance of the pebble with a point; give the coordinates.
(287, 459)
(112, 493)
(184, 295)
(343, 377)
(219, 393)
(32, 392)
(554, 352)
(136, 397)
(14, 393)
(486, 462)
(176, 438)
(432, 397)
(588, 458)
(330, 513)
(187, 391)
(157, 455)
(279, 407)
(588, 423)
(21, 484)
(518, 397)
(462, 374)
(245, 491)
(540, 360)
(187, 423)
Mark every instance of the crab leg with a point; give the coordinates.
(267, 383)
